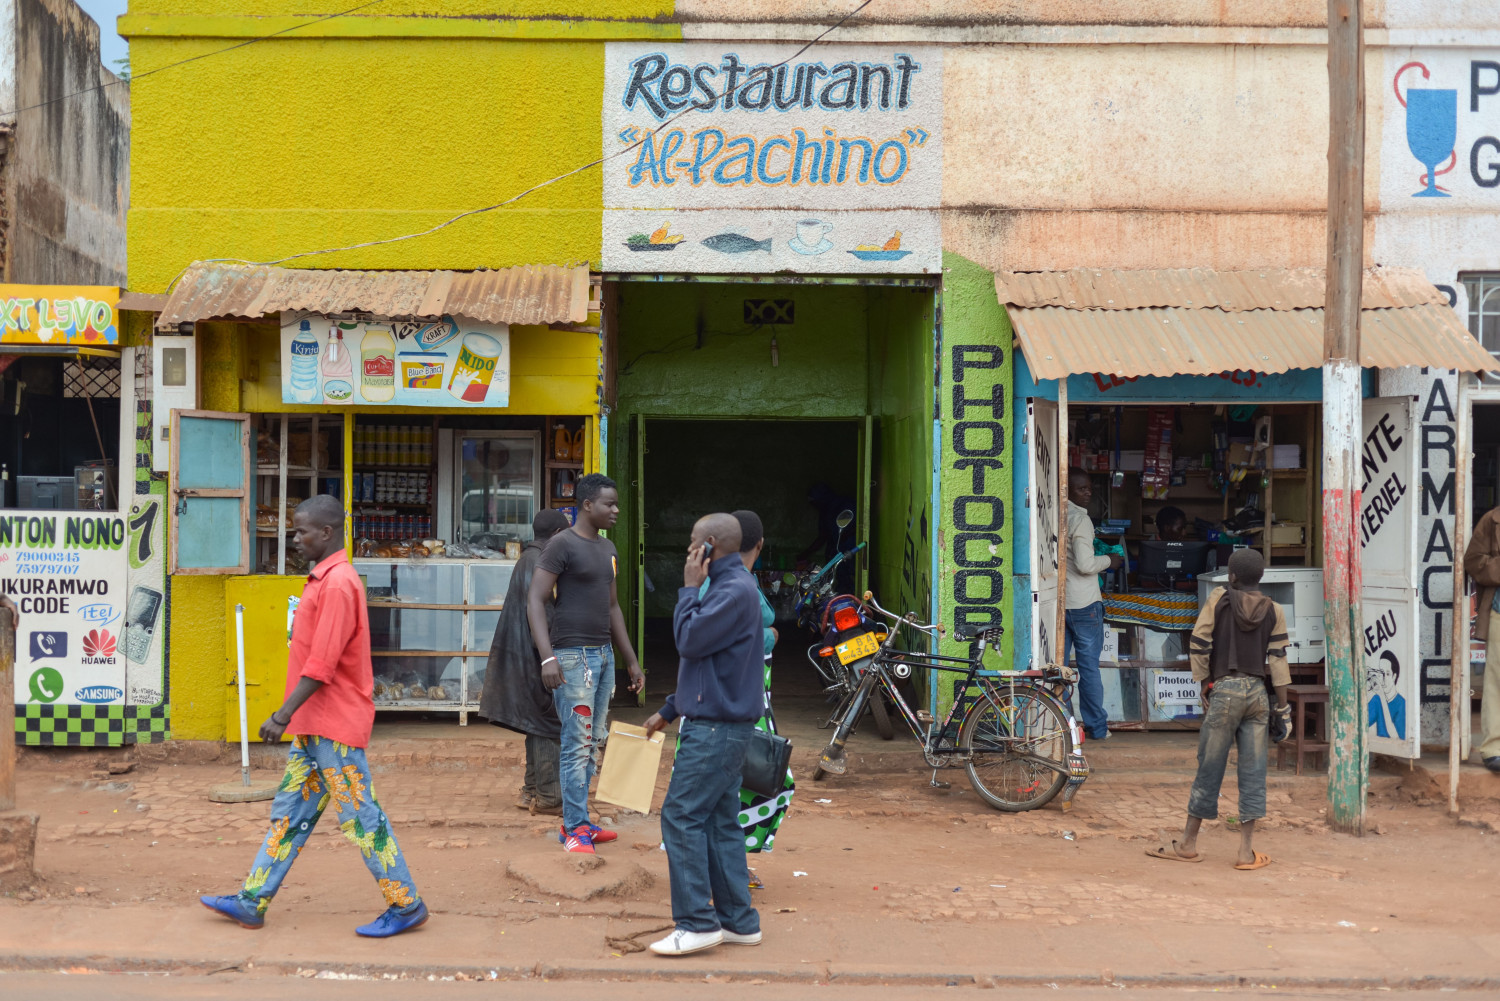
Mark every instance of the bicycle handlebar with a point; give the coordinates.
(910, 619)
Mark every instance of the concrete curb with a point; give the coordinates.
(678, 972)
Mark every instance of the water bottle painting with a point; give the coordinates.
(400, 363)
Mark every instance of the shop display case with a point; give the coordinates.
(431, 622)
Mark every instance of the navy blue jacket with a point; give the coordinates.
(722, 671)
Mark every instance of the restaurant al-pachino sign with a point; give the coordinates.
(60, 315)
(755, 158)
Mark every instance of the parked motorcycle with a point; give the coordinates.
(849, 637)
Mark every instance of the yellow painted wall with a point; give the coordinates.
(197, 657)
(359, 129)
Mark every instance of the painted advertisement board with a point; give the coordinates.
(59, 315)
(758, 158)
(66, 574)
(452, 362)
(1387, 530)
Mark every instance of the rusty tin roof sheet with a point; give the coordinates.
(534, 294)
(1059, 342)
(1199, 288)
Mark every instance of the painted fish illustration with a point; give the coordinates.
(734, 243)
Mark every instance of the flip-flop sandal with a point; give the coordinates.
(1261, 861)
(1170, 854)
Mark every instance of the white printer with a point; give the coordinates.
(1299, 590)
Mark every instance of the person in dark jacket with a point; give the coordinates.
(514, 696)
(720, 694)
(1482, 564)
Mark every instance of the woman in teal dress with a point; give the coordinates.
(761, 816)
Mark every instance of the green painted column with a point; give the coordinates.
(974, 464)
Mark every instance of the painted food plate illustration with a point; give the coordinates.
(657, 239)
(880, 255)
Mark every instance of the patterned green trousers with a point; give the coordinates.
(320, 772)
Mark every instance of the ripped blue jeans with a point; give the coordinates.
(582, 702)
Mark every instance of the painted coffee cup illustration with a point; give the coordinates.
(810, 232)
(475, 368)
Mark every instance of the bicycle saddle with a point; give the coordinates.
(990, 634)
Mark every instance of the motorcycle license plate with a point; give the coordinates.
(861, 646)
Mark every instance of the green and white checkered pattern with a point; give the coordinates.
(42, 725)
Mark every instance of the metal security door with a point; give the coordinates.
(1388, 570)
(1044, 512)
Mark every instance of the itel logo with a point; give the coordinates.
(98, 647)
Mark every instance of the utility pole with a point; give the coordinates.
(1348, 764)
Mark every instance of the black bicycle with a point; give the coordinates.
(1010, 730)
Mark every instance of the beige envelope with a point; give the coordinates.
(631, 760)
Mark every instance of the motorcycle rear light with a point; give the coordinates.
(827, 651)
(845, 618)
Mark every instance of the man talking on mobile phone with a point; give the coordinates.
(720, 694)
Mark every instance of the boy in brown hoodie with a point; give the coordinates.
(1239, 645)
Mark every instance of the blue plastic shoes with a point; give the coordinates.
(394, 922)
(236, 909)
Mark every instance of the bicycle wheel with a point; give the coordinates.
(1017, 744)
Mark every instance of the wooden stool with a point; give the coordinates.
(1299, 697)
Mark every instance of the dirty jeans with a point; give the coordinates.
(1239, 714)
(701, 830)
(542, 756)
(1085, 639)
(320, 772)
(582, 702)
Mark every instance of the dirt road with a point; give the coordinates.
(877, 876)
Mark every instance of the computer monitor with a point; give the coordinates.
(46, 493)
(1173, 560)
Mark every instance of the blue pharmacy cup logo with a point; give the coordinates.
(1431, 130)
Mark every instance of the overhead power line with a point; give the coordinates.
(190, 59)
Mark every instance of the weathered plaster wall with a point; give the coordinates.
(68, 173)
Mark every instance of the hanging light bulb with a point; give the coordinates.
(775, 353)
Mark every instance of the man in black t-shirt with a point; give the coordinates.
(578, 664)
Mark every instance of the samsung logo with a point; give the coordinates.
(99, 694)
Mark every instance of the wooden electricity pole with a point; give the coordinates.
(1348, 765)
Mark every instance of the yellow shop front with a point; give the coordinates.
(443, 409)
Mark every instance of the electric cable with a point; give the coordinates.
(190, 59)
(536, 187)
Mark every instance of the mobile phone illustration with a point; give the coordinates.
(141, 613)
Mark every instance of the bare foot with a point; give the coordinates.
(1186, 849)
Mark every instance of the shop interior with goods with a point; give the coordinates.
(59, 431)
(1175, 490)
(441, 506)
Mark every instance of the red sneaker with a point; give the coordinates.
(599, 835)
(580, 841)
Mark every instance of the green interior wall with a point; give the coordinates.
(693, 467)
(901, 328)
(977, 449)
(684, 350)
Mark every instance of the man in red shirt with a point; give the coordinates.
(329, 709)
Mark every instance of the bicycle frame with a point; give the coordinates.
(939, 742)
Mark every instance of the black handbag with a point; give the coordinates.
(767, 757)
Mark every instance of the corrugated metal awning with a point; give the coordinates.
(536, 294)
(1145, 323)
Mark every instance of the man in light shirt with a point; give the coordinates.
(1085, 605)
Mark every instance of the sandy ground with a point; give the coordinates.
(876, 877)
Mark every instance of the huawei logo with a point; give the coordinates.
(98, 643)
